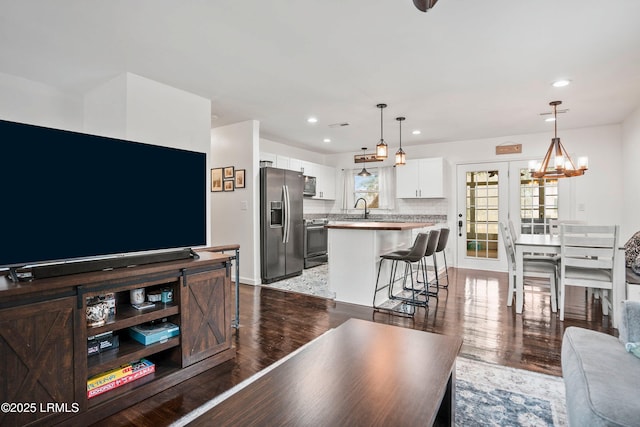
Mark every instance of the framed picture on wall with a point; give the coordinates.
(228, 185)
(228, 172)
(240, 178)
(216, 179)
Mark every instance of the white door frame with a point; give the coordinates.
(463, 260)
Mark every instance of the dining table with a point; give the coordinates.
(550, 244)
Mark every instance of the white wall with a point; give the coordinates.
(235, 215)
(631, 175)
(26, 101)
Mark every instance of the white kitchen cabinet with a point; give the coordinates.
(325, 179)
(295, 165)
(421, 179)
(282, 162)
(325, 182)
(269, 157)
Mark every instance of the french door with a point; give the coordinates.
(483, 202)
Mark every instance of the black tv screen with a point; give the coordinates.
(68, 195)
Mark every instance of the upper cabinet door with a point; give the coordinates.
(326, 182)
(432, 178)
(408, 180)
(421, 179)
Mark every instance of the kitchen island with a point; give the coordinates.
(354, 255)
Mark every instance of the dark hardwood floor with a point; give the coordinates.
(273, 323)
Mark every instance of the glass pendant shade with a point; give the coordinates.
(557, 163)
(401, 157)
(382, 150)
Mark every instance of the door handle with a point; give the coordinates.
(460, 228)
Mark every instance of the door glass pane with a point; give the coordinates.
(482, 214)
(538, 203)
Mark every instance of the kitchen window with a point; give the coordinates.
(368, 187)
(378, 189)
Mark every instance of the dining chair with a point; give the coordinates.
(531, 256)
(588, 258)
(554, 225)
(537, 268)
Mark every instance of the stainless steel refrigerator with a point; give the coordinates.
(282, 230)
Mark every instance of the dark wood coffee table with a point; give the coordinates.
(361, 373)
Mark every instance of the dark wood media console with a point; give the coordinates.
(44, 364)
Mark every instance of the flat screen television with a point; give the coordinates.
(69, 196)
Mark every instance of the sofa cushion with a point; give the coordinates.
(629, 327)
(601, 379)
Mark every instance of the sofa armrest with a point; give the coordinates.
(629, 327)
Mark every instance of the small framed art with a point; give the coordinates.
(228, 185)
(216, 179)
(228, 172)
(240, 178)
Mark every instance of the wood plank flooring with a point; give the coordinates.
(274, 323)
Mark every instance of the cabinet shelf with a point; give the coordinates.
(128, 316)
(163, 369)
(129, 351)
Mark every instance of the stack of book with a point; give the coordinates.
(115, 378)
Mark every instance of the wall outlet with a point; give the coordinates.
(244, 205)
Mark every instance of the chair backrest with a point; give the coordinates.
(442, 240)
(588, 246)
(419, 247)
(512, 230)
(432, 243)
(508, 245)
(554, 225)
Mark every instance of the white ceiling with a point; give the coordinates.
(466, 69)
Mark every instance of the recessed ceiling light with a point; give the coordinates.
(312, 120)
(550, 119)
(561, 83)
(416, 132)
(326, 140)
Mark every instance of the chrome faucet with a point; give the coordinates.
(366, 211)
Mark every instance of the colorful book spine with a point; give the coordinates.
(109, 376)
(139, 369)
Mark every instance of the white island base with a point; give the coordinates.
(354, 256)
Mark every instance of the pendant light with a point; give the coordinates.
(364, 171)
(401, 158)
(562, 166)
(382, 149)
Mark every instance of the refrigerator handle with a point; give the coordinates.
(287, 218)
(285, 214)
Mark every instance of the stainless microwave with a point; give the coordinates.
(309, 186)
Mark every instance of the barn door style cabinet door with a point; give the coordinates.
(37, 357)
(205, 320)
(421, 179)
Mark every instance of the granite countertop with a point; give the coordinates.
(373, 225)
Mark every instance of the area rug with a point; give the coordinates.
(494, 395)
(486, 395)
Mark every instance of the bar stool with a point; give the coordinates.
(442, 244)
(417, 298)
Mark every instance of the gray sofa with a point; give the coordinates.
(602, 380)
